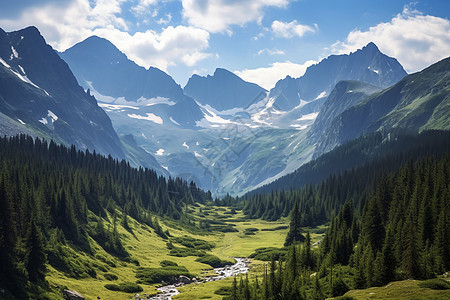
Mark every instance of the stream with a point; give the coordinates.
(168, 291)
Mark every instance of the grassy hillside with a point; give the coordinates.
(406, 289)
(149, 249)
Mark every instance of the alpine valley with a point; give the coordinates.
(115, 180)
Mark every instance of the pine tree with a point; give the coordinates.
(295, 231)
(35, 259)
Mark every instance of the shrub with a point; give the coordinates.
(435, 284)
(252, 229)
(156, 275)
(266, 253)
(109, 276)
(276, 228)
(129, 287)
(168, 263)
(126, 287)
(224, 291)
(213, 261)
(193, 243)
(183, 252)
(112, 287)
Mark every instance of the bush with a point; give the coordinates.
(252, 229)
(224, 291)
(129, 287)
(126, 287)
(213, 261)
(276, 228)
(435, 284)
(183, 252)
(168, 263)
(112, 287)
(193, 243)
(224, 228)
(109, 276)
(167, 274)
(266, 253)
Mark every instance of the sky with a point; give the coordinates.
(262, 41)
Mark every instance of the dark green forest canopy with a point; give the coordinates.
(51, 195)
(403, 233)
(359, 166)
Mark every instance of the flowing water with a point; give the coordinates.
(240, 267)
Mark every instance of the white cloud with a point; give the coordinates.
(291, 29)
(415, 39)
(166, 20)
(173, 45)
(143, 8)
(63, 25)
(268, 77)
(218, 15)
(271, 51)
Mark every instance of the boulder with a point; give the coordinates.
(72, 295)
(183, 279)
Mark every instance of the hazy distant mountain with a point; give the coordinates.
(224, 90)
(39, 94)
(113, 78)
(418, 102)
(367, 64)
(100, 66)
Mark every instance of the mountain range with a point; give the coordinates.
(226, 134)
(40, 96)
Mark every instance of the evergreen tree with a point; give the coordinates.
(295, 231)
(35, 259)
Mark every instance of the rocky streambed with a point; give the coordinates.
(168, 291)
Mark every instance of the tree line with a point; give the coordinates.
(51, 195)
(403, 232)
(319, 201)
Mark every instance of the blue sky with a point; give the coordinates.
(260, 40)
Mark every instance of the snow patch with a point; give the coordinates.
(174, 122)
(150, 117)
(51, 117)
(98, 96)
(197, 154)
(167, 169)
(185, 145)
(160, 152)
(115, 106)
(197, 143)
(4, 63)
(374, 70)
(311, 116)
(321, 95)
(21, 122)
(299, 127)
(23, 77)
(14, 53)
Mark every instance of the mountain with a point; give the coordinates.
(100, 66)
(344, 95)
(114, 79)
(39, 94)
(397, 148)
(224, 90)
(418, 102)
(367, 64)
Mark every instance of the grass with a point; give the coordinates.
(406, 289)
(151, 251)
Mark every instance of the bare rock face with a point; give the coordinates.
(72, 295)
